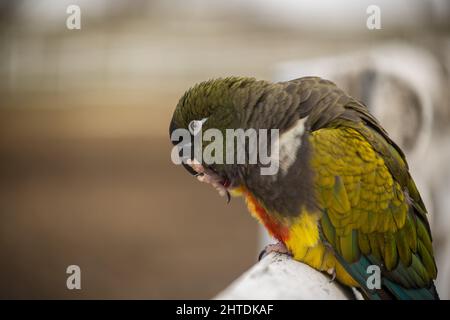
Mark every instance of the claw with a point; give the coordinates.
(262, 254)
(332, 272)
(278, 247)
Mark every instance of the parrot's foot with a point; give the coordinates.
(332, 273)
(278, 247)
(208, 176)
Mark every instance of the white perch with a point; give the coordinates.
(278, 276)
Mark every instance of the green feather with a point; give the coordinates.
(349, 246)
(403, 247)
(390, 251)
(427, 260)
(328, 229)
(340, 202)
(364, 243)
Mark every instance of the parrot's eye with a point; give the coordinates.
(196, 125)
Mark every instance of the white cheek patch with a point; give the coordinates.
(289, 143)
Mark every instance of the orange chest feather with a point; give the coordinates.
(274, 227)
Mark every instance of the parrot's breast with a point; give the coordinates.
(275, 228)
(301, 237)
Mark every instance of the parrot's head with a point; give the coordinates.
(215, 104)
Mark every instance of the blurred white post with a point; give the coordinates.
(278, 276)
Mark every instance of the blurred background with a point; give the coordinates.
(85, 170)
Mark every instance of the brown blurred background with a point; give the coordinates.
(85, 170)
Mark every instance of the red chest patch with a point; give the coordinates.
(274, 228)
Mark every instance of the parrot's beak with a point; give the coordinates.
(189, 169)
(226, 183)
(209, 176)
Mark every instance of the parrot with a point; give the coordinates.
(343, 200)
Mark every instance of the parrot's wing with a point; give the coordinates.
(372, 211)
(393, 156)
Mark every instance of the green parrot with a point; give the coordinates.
(343, 200)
